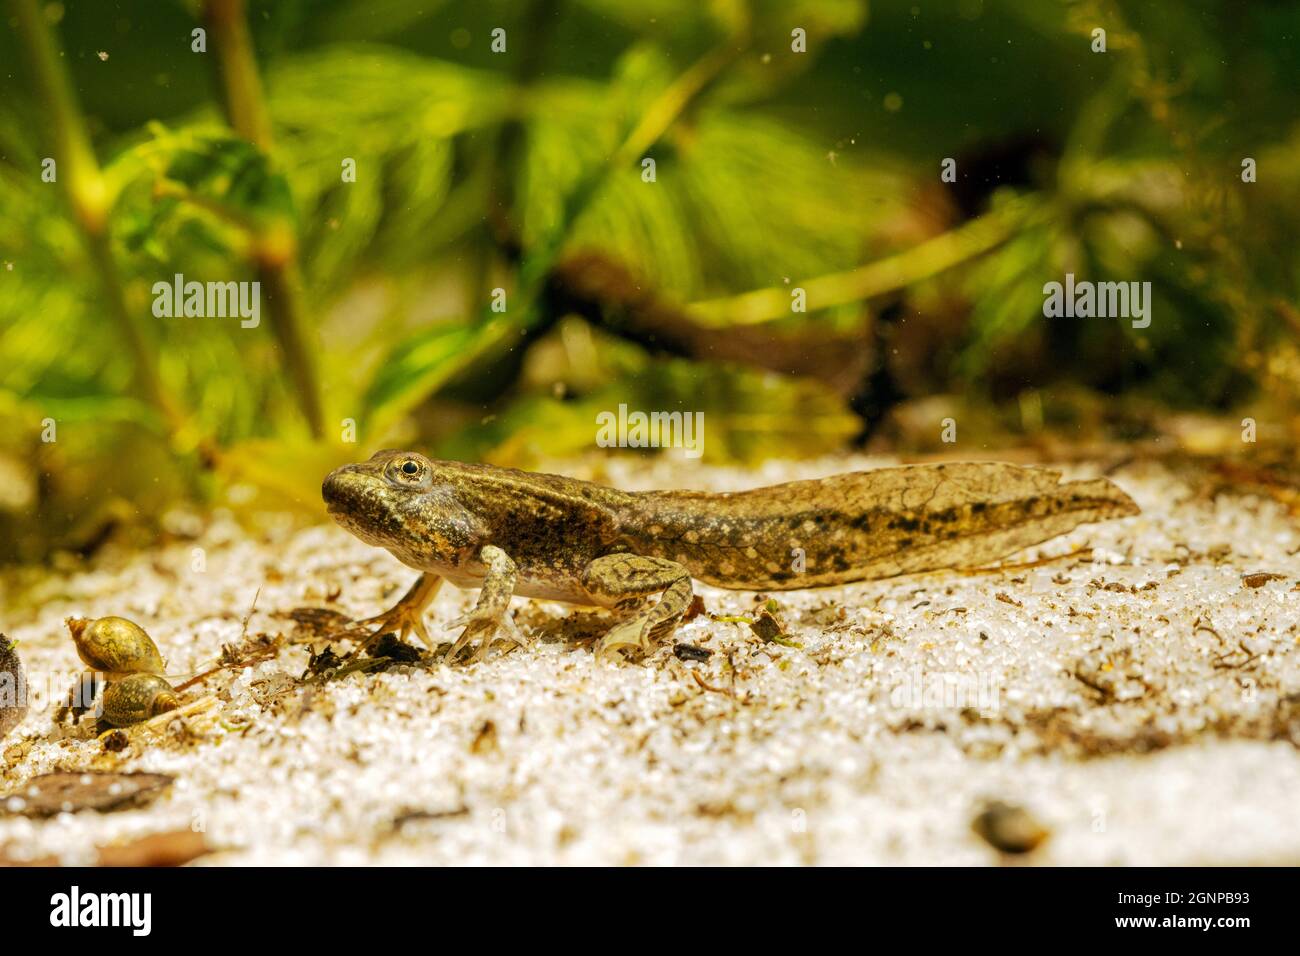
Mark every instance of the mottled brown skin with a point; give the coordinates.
(13, 687)
(514, 532)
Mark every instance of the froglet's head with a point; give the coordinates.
(401, 501)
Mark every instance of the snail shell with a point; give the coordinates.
(13, 687)
(137, 697)
(115, 645)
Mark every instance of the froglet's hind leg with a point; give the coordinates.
(491, 615)
(406, 616)
(625, 578)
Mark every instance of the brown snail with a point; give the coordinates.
(115, 646)
(119, 654)
(136, 698)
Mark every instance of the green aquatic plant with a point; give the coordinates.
(467, 250)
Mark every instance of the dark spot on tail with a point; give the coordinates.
(906, 523)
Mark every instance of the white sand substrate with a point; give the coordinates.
(1138, 699)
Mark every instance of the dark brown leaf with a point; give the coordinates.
(53, 793)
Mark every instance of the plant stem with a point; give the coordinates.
(674, 100)
(276, 246)
(236, 67)
(894, 272)
(89, 198)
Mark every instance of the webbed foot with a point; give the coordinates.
(633, 635)
(491, 615)
(403, 618)
(485, 627)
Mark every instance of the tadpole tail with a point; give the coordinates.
(875, 524)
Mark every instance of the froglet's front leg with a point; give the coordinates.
(492, 612)
(406, 616)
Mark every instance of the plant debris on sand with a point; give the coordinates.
(1135, 683)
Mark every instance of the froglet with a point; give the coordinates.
(509, 532)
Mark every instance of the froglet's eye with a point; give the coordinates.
(409, 471)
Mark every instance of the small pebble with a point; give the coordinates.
(1010, 828)
(690, 652)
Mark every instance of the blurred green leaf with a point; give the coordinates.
(424, 362)
(748, 416)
